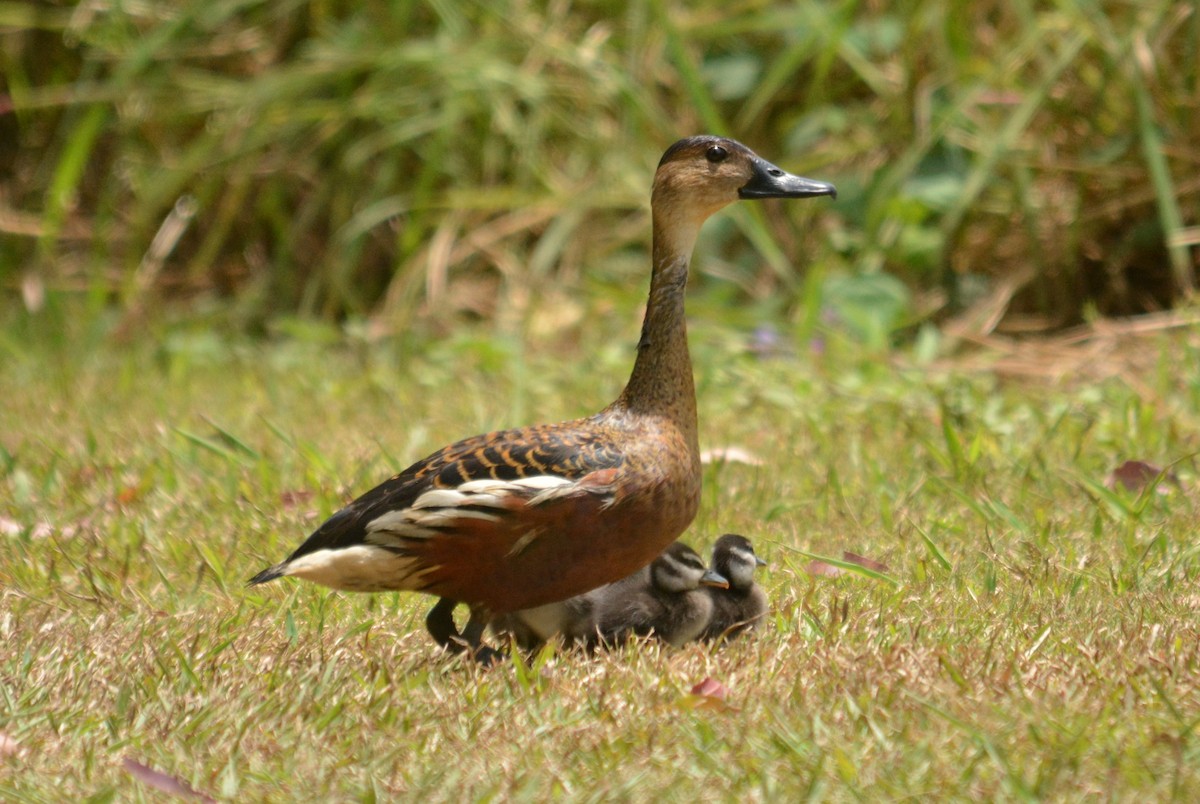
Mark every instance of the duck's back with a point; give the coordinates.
(512, 519)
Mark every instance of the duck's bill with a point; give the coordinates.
(769, 181)
(711, 578)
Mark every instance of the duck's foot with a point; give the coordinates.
(440, 624)
(472, 636)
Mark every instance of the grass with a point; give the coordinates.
(1033, 635)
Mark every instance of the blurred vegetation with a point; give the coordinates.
(411, 163)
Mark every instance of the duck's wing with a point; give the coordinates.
(468, 485)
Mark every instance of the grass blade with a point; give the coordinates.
(1165, 195)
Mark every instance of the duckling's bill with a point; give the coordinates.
(714, 579)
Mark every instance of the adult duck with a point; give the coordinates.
(518, 518)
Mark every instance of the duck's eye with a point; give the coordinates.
(716, 153)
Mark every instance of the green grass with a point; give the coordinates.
(1040, 639)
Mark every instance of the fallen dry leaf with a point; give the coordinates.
(161, 781)
(730, 455)
(710, 688)
(128, 495)
(1136, 475)
(822, 570)
(863, 561)
(710, 695)
(290, 499)
(8, 746)
(11, 527)
(33, 291)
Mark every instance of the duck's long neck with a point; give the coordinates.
(661, 383)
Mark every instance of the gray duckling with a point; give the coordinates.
(668, 599)
(572, 619)
(739, 607)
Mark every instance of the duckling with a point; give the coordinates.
(739, 607)
(573, 620)
(516, 519)
(668, 599)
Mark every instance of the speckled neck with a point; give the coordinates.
(661, 383)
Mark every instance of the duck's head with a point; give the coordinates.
(734, 558)
(699, 175)
(680, 569)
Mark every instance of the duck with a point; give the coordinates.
(668, 600)
(738, 607)
(519, 518)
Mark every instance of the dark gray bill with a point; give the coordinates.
(769, 181)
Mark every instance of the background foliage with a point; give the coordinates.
(414, 161)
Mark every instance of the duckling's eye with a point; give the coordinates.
(716, 153)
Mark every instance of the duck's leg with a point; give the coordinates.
(440, 623)
(472, 635)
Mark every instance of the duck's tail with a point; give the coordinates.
(269, 574)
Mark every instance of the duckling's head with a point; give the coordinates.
(734, 558)
(680, 569)
(699, 175)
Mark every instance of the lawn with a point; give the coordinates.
(1031, 634)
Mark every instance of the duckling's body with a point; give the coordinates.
(739, 607)
(572, 620)
(668, 599)
(516, 519)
